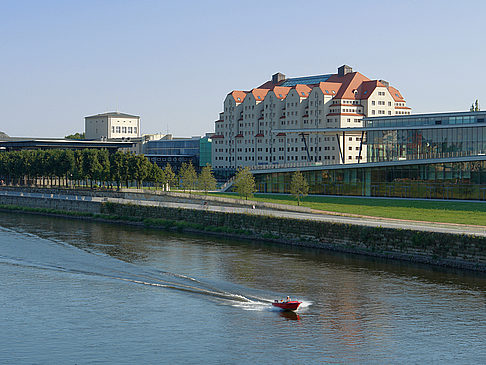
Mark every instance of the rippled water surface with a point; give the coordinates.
(76, 292)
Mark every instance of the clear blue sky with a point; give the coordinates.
(173, 62)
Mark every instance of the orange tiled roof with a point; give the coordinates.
(329, 88)
(302, 90)
(349, 83)
(259, 94)
(238, 95)
(281, 91)
(396, 94)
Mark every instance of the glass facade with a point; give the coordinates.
(173, 147)
(425, 143)
(205, 151)
(450, 180)
(422, 120)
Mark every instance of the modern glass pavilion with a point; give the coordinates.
(415, 156)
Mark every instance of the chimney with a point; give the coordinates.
(344, 69)
(277, 78)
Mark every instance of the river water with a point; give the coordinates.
(78, 292)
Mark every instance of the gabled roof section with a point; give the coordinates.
(329, 88)
(281, 91)
(302, 90)
(396, 94)
(114, 114)
(238, 95)
(350, 82)
(259, 94)
(367, 88)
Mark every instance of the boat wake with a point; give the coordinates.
(31, 251)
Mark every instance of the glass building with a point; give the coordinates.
(440, 156)
(176, 151)
(425, 136)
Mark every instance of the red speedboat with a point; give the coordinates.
(289, 305)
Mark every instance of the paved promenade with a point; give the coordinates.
(313, 215)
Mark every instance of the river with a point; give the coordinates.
(80, 292)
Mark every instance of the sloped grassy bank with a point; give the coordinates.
(452, 250)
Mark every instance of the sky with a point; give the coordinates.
(174, 62)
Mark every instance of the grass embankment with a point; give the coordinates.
(472, 213)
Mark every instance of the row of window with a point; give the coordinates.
(119, 129)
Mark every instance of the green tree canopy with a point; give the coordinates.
(76, 135)
(188, 176)
(299, 187)
(206, 180)
(245, 183)
(170, 175)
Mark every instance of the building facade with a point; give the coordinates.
(176, 151)
(441, 156)
(283, 121)
(112, 125)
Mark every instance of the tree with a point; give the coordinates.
(170, 175)
(245, 183)
(157, 175)
(475, 106)
(116, 168)
(76, 135)
(299, 187)
(188, 176)
(206, 180)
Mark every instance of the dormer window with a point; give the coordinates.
(303, 93)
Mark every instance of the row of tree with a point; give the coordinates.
(92, 168)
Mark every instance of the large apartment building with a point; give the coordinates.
(295, 120)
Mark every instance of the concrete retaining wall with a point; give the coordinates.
(462, 251)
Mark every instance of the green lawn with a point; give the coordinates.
(473, 213)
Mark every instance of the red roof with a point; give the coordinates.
(402, 107)
(218, 136)
(239, 135)
(329, 88)
(218, 121)
(281, 134)
(302, 90)
(396, 94)
(259, 94)
(259, 135)
(239, 96)
(281, 91)
(350, 82)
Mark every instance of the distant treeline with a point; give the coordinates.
(91, 167)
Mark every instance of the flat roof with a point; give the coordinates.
(26, 143)
(428, 115)
(316, 166)
(114, 114)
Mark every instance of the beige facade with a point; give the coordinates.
(112, 125)
(293, 121)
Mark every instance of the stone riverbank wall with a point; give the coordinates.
(460, 251)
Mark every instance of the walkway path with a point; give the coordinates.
(315, 215)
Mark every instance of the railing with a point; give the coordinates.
(227, 184)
